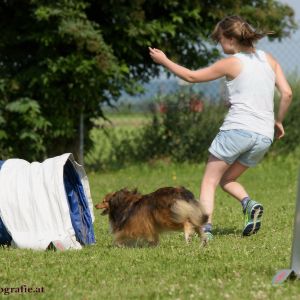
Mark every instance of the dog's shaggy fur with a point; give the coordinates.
(135, 217)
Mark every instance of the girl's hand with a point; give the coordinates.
(157, 55)
(279, 130)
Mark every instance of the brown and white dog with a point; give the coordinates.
(135, 217)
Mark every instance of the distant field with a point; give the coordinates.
(122, 120)
(105, 132)
(231, 267)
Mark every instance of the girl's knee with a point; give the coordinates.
(225, 181)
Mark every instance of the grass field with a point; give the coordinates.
(231, 267)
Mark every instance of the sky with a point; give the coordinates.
(286, 52)
(295, 4)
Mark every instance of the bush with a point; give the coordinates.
(179, 133)
(291, 122)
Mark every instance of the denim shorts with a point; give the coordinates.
(246, 147)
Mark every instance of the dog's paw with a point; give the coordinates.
(120, 245)
(204, 242)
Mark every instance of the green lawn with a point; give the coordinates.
(231, 267)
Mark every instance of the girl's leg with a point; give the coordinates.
(253, 210)
(214, 171)
(230, 185)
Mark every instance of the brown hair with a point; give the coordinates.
(236, 27)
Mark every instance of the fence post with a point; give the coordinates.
(294, 271)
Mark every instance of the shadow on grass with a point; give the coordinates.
(226, 231)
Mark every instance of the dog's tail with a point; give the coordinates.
(183, 210)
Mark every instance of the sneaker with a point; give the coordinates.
(253, 215)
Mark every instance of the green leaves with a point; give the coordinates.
(23, 128)
(23, 106)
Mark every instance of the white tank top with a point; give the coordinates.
(251, 96)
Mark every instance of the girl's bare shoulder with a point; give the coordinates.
(272, 61)
(232, 66)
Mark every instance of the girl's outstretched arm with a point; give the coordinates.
(229, 67)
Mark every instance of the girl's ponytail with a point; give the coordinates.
(236, 27)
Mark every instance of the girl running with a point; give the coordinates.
(248, 129)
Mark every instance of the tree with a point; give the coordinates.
(54, 59)
(63, 59)
(181, 28)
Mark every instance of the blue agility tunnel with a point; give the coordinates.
(42, 203)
